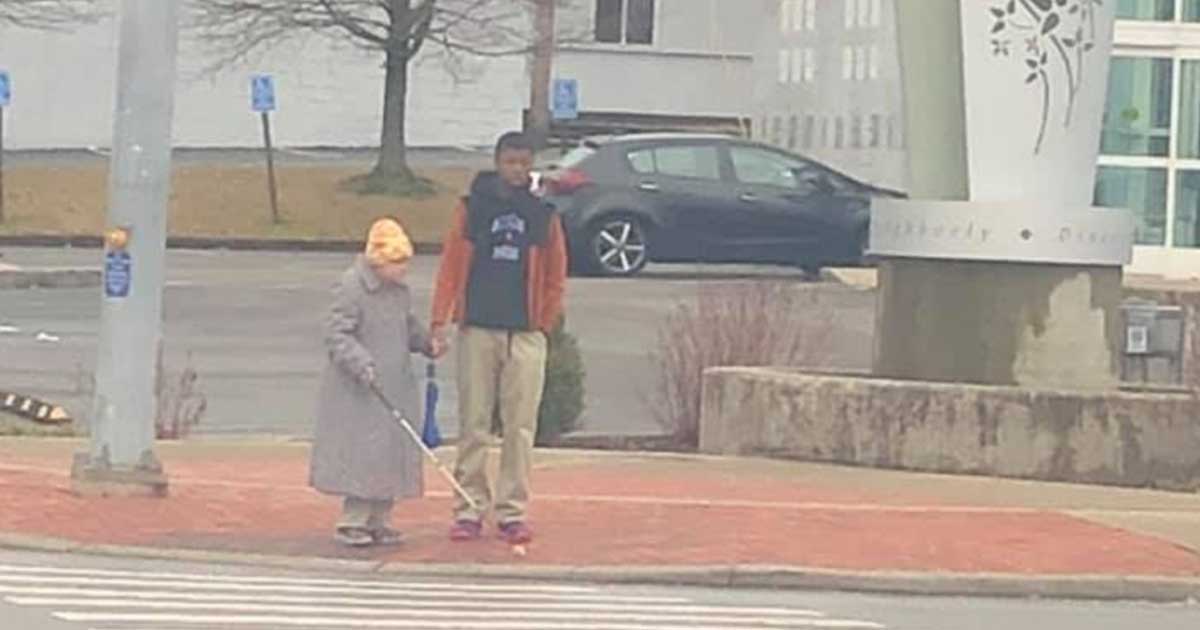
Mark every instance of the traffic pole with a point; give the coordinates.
(1, 164)
(273, 189)
(121, 459)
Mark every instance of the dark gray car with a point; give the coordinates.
(631, 200)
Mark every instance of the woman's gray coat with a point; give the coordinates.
(359, 450)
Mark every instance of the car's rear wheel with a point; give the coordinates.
(618, 246)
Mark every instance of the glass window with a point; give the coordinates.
(793, 131)
(1158, 10)
(839, 133)
(856, 132)
(576, 157)
(642, 162)
(625, 21)
(1191, 10)
(777, 131)
(1189, 110)
(639, 22)
(797, 65)
(758, 167)
(1187, 209)
(696, 162)
(1137, 120)
(766, 168)
(876, 131)
(1142, 190)
(608, 21)
(810, 125)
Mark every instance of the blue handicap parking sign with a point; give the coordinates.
(262, 93)
(118, 275)
(566, 99)
(5, 89)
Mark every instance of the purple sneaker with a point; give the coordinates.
(516, 533)
(464, 531)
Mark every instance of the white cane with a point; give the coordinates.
(412, 433)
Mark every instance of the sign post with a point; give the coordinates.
(5, 101)
(121, 459)
(262, 101)
(566, 99)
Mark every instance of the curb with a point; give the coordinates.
(1063, 587)
(863, 279)
(50, 278)
(212, 243)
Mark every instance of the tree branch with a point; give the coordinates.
(49, 14)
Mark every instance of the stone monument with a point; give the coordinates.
(997, 269)
(999, 332)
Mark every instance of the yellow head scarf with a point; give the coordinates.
(388, 243)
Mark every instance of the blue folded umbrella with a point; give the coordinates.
(431, 435)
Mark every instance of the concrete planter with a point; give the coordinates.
(1116, 438)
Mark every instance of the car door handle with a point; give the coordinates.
(649, 187)
(749, 197)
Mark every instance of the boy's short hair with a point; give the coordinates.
(513, 141)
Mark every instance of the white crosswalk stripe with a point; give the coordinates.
(130, 600)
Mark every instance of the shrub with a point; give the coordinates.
(181, 404)
(563, 396)
(768, 323)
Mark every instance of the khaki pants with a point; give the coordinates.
(365, 514)
(502, 371)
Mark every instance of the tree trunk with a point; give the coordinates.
(542, 72)
(393, 146)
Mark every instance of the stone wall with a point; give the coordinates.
(1108, 438)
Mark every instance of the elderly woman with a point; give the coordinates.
(359, 452)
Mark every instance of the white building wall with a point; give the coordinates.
(825, 65)
(328, 95)
(701, 61)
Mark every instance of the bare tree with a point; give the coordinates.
(397, 29)
(48, 14)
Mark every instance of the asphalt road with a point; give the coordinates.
(249, 324)
(68, 592)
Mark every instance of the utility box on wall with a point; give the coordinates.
(1153, 333)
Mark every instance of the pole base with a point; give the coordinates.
(96, 478)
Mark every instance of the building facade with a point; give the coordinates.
(827, 85)
(834, 63)
(693, 57)
(673, 57)
(1150, 146)
(329, 94)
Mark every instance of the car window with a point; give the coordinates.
(758, 167)
(576, 157)
(696, 162)
(642, 162)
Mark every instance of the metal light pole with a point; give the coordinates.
(121, 459)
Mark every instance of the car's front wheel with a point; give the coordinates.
(618, 246)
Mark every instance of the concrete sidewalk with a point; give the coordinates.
(635, 517)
